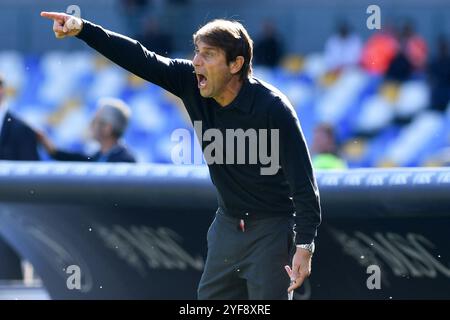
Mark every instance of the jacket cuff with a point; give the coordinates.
(304, 238)
(84, 30)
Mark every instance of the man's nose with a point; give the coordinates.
(197, 60)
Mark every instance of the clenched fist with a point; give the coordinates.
(64, 24)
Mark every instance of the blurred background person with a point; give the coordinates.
(342, 49)
(17, 140)
(415, 46)
(400, 67)
(153, 37)
(439, 76)
(325, 150)
(107, 127)
(379, 50)
(269, 48)
(411, 55)
(134, 12)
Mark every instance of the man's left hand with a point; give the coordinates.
(301, 268)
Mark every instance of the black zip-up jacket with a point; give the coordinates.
(242, 190)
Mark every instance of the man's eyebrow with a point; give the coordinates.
(207, 48)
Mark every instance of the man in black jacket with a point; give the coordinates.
(254, 249)
(17, 140)
(107, 127)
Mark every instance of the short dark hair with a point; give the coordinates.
(2, 82)
(231, 37)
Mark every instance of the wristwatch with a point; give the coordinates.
(310, 247)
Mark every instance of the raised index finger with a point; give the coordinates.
(52, 15)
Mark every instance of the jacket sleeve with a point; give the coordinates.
(296, 164)
(69, 156)
(170, 74)
(27, 146)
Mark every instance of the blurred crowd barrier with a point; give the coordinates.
(139, 231)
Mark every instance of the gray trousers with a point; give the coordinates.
(247, 264)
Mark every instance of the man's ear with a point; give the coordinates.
(236, 65)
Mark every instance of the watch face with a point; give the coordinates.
(310, 247)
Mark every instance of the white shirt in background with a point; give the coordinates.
(342, 52)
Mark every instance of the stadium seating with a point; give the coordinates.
(57, 92)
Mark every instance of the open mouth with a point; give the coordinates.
(202, 80)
